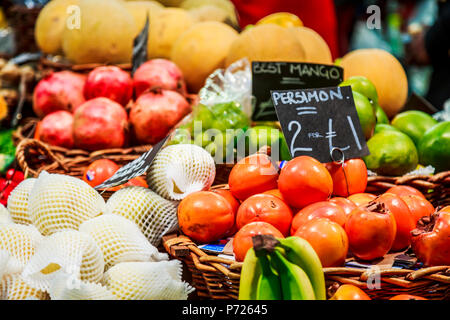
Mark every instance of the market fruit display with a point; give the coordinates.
(434, 147)
(413, 123)
(50, 25)
(18, 202)
(349, 292)
(158, 74)
(392, 153)
(59, 91)
(140, 9)
(202, 49)
(99, 171)
(315, 48)
(366, 114)
(155, 113)
(290, 270)
(327, 238)
(375, 64)
(115, 26)
(430, 239)
(109, 82)
(205, 216)
(283, 19)
(256, 44)
(349, 177)
(56, 129)
(268, 208)
(242, 241)
(304, 180)
(100, 123)
(371, 231)
(361, 198)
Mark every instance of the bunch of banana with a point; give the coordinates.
(281, 269)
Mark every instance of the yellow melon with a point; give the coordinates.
(104, 34)
(283, 19)
(50, 24)
(385, 72)
(266, 42)
(171, 3)
(316, 49)
(201, 50)
(139, 10)
(167, 25)
(212, 10)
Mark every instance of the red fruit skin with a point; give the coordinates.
(405, 191)
(370, 234)
(251, 175)
(109, 82)
(158, 73)
(304, 180)
(353, 181)
(267, 208)
(321, 209)
(418, 206)
(56, 129)
(15, 175)
(100, 123)
(403, 218)
(345, 204)
(58, 91)
(155, 113)
(433, 247)
(234, 203)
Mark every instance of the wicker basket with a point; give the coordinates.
(34, 156)
(218, 278)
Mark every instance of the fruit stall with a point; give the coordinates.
(158, 150)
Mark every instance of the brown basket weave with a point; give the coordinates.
(34, 156)
(218, 278)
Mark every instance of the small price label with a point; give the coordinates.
(317, 122)
(267, 76)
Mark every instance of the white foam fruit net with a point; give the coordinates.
(66, 252)
(147, 281)
(20, 242)
(5, 216)
(120, 240)
(63, 287)
(13, 287)
(18, 201)
(59, 202)
(154, 215)
(181, 169)
(8, 264)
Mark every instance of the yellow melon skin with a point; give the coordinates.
(316, 49)
(50, 25)
(167, 25)
(201, 50)
(385, 72)
(266, 42)
(212, 10)
(105, 33)
(139, 10)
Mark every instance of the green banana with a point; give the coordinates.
(298, 251)
(250, 274)
(268, 287)
(295, 284)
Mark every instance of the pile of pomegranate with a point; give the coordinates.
(108, 108)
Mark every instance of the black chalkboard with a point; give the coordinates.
(267, 76)
(133, 169)
(316, 122)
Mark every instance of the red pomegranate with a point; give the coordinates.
(155, 113)
(100, 123)
(158, 73)
(58, 91)
(109, 82)
(56, 129)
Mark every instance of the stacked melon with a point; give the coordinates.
(58, 240)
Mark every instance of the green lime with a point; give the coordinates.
(414, 123)
(381, 127)
(366, 114)
(362, 85)
(380, 114)
(434, 147)
(392, 153)
(260, 136)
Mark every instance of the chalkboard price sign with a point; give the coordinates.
(267, 76)
(319, 122)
